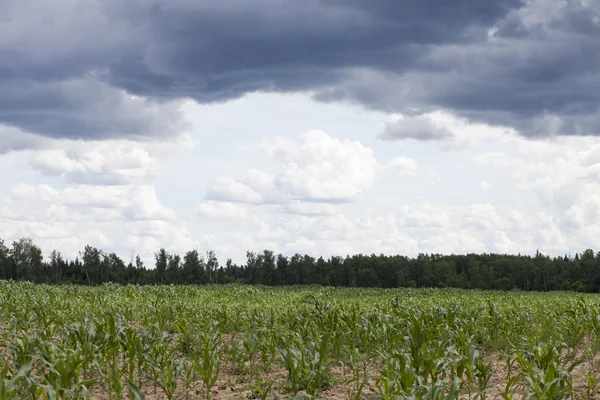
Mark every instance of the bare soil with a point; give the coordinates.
(232, 386)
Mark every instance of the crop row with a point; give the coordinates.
(116, 342)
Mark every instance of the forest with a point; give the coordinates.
(23, 260)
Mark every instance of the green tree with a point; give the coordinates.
(27, 259)
(92, 265)
(173, 268)
(162, 260)
(57, 265)
(212, 264)
(113, 269)
(321, 271)
(193, 267)
(268, 272)
(4, 261)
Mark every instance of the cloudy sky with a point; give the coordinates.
(315, 126)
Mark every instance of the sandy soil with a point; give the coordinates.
(231, 386)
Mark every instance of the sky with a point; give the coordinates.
(325, 127)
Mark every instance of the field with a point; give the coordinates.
(190, 342)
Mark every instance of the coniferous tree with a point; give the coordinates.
(4, 261)
(24, 261)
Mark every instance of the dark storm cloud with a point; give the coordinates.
(13, 139)
(539, 73)
(213, 53)
(66, 70)
(418, 128)
(84, 108)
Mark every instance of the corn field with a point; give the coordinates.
(219, 342)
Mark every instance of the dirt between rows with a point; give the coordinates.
(232, 386)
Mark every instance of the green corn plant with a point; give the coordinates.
(169, 374)
(209, 358)
(592, 386)
(132, 351)
(339, 337)
(589, 355)
(483, 374)
(389, 385)
(398, 379)
(166, 370)
(189, 376)
(260, 389)
(387, 388)
(82, 335)
(185, 338)
(134, 392)
(439, 391)
(21, 350)
(573, 330)
(294, 363)
(156, 351)
(434, 367)
(407, 341)
(28, 384)
(62, 370)
(356, 361)
(115, 386)
(509, 389)
(416, 341)
(319, 375)
(545, 384)
(153, 344)
(510, 360)
(307, 365)
(11, 388)
(545, 375)
(267, 348)
(357, 393)
(250, 343)
(235, 356)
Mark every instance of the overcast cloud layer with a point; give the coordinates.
(70, 69)
(324, 126)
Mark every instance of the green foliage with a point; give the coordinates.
(24, 261)
(209, 358)
(307, 364)
(77, 342)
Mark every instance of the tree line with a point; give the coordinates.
(24, 260)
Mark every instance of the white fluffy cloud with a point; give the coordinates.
(221, 209)
(255, 183)
(253, 186)
(124, 218)
(403, 165)
(319, 167)
(105, 162)
(310, 208)
(314, 168)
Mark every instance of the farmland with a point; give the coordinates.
(190, 342)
